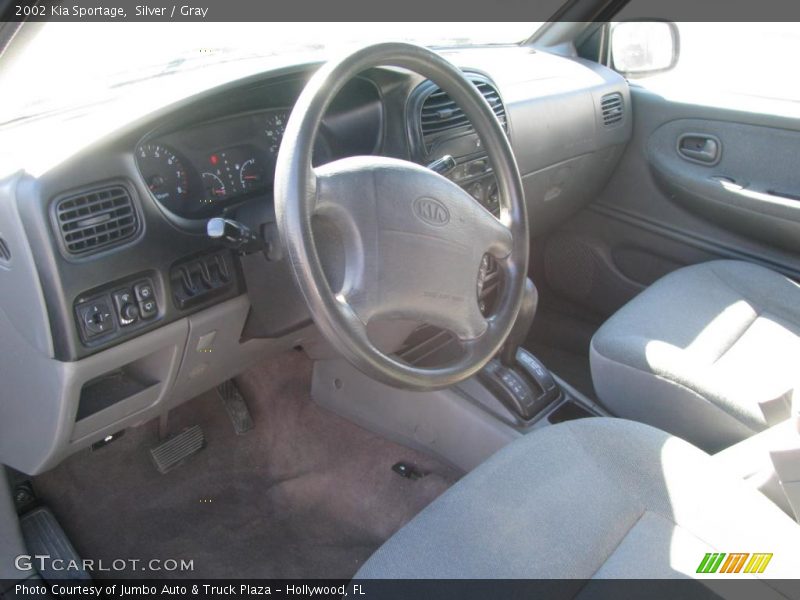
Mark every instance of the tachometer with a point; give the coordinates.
(163, 173)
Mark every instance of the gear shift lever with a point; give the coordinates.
(517, 377)
(519, 331)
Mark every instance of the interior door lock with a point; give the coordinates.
(700, 148)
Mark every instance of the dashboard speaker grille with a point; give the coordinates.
(612, 108)
(95, 220)
(440, 113)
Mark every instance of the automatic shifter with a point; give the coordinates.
(521, 327)
(517, 377)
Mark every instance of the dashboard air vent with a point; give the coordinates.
(95, 220)
(612, 108)
(439, 113)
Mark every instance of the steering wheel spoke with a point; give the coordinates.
(496, 236)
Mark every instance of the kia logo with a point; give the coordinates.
(431, 211)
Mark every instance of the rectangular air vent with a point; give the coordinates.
(97, 219)
(439, 113)
(612, 109)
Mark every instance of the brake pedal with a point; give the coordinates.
(177, 449)
(235, 406)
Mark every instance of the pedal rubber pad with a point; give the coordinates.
(178, 448)
(44, 537)
(235, 406)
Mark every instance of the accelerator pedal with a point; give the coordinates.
(44, 537)
(177, 449)
(235, 406)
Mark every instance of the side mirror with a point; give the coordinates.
(641, 48)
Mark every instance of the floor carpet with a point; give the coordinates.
(304, 494)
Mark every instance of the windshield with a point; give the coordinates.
(68, 65)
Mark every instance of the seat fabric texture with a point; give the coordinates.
(710, 353)
(593, 498)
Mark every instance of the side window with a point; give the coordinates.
(754, 60)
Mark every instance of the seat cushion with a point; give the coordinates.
(598, 497)
(710, 353)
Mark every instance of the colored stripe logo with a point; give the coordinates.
(737, 562)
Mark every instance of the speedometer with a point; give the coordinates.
(163, 173)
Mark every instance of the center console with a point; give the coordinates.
(462, 425)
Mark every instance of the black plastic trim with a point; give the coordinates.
(690, 239)
(89, 189)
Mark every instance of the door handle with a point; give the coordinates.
(700, 148)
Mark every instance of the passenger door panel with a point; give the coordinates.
(665, 208)
(753, 185)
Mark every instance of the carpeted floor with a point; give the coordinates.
(303, 494)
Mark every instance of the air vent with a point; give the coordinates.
(612, 108)
(439, 113)
(5, 252)
(95, 220)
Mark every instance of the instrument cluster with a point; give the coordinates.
(198, 172)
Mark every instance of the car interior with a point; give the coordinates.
(492, 311)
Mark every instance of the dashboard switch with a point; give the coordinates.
(96, 317)
(129, 314)
(148, 308)
(122, 307)
(200, 278)
(144, 291)
(127, 311)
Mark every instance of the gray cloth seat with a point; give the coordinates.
(594, 498)
(710, 353)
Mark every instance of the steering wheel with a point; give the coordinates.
(412, 241)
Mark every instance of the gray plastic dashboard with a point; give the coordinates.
(61, 381)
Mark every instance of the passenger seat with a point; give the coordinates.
(710, 353)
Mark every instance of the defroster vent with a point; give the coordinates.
(612, 108)
(101, 218)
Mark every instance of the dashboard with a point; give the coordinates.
(133, 208)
